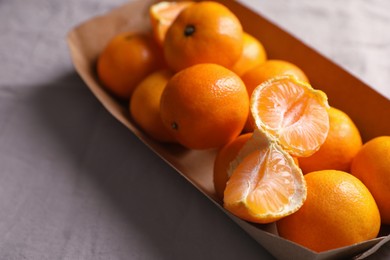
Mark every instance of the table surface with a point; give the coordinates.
(76, 184)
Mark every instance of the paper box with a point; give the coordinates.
(369, 110)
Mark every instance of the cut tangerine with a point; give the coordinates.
(162, 15)
(266, 185)
(293, 113)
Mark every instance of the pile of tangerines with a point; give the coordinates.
(284, 155)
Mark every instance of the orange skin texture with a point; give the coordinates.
(126, 60)
(145, 105)
(162, 14)
(204, 32)
(253, 54)
(339, 211)
(222, 162)
(341, 145)
(270, 69)
(372, 166)
(204, 106)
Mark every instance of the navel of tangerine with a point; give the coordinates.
(189, 30)
(174, 126)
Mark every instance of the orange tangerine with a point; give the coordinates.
(339, 211)
(253, 54)
(126, 60)
(340, 147)
(145, 105)
(271, 69)
(204, 32)
(162, 14)
(372, 166)
(204, 106)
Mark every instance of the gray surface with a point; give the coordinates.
(76, 184)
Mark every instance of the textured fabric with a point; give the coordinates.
(353, 33)
(76, 184)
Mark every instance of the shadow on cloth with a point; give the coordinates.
(157, 205)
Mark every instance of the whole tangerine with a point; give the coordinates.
(340, 147)
(339, 211)
(144, 105)
(204, 32)
(253, 54)
(204, 106)
(126, 60)
(372, 166)
(271, 69)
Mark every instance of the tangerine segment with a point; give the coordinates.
(266, 185)
(222, 161)
(293, 112)
(162, 14)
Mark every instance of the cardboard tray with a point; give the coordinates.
(369, 110)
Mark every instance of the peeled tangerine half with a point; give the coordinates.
(265, 184)
(292, 112)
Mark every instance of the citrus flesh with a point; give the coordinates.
(265, 184)
(224, 158)
(293, 112)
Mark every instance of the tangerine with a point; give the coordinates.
(126, 60)
(372, 166)
(253, 54)
(340, 146)
(271, 69)
(162, 14)
(204, 32)
(144, 105)
(204, 106)
(339, 211)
